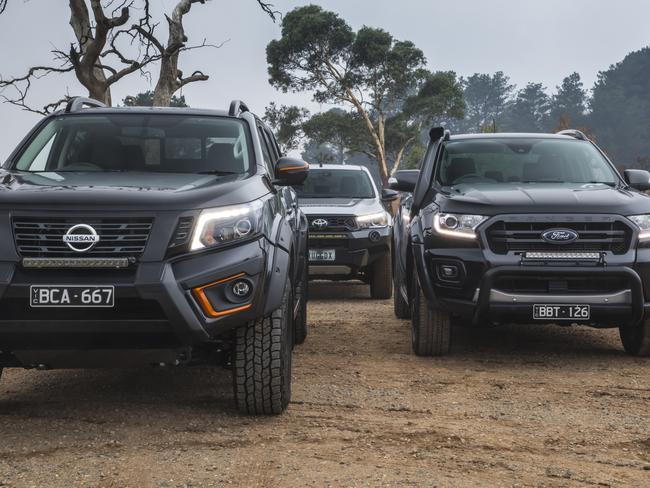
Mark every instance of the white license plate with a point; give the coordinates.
(71, 296)
(561, 312)
(322, 254)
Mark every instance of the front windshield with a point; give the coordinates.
(523, 160)
(336, 183)
(140, 143)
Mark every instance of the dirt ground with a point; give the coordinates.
(513, 406)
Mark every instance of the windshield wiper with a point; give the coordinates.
(608, 183)
(541, 181)
(217, 172)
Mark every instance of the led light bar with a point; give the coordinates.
(562, 255)
(76, 262)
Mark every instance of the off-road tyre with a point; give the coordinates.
(401, 307)
(636, 340)
(262, 361)
(381, 280)
(430, 328)
(302, 296)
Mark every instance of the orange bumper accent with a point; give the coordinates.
(207, 307)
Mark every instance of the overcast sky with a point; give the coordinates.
(529, 40)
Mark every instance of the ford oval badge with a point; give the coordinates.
(560, 236)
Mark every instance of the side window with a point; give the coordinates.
(268, 159)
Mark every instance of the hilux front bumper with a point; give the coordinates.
(355, 251)
(157, 310)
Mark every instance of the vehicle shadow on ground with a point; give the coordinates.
(96, 394)
(339, 290)
(506, 343)
(564, 343)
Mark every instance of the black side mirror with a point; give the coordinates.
(404, 180)
(638, 179)
(389, 195)
(290, 171)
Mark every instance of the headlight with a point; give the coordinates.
(379, 219)
(217, 226)
(643, 221)
(457, 225)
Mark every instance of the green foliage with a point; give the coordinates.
(620, 109)
(569, 104)
(315, 153)
(341, 131)
(486, 97)
(529, 111)
(368, 70)
(145, 99)
(312, 40)
(414, 159)
(286, 123)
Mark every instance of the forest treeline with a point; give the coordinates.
(384, 97)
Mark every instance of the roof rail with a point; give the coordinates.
(76, 103)
(575, 133)
(237, 107)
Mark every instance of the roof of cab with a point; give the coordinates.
(511, 135)
(147, 111)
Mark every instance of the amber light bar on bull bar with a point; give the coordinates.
(563, 256)
(76, 263)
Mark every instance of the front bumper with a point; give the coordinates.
(490, 292)
(355, 250)
(155, 305)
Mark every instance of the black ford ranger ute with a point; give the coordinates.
(154, 237)
(521, 228)
(349, 227)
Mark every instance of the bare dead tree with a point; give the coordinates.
(171, 78)
(107, 49)
(96, 57)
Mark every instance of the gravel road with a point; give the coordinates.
(512, 406)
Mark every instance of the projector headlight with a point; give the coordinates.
(457, 225)
(224, 225)
(379, 219)
(643, 222)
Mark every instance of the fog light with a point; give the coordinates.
(225, 287)
(374, 236)
(448, 271)
(241, 288)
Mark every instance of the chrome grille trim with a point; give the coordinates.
(43, 237)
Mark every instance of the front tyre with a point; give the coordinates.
(262, 361)
(381, 280)
(400, 306)
(430, 328)
(636, 340)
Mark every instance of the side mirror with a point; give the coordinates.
(638, 179)
(290, 171)
(389, 195)
(404, 180)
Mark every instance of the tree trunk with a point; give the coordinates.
(169, 79)
(167, 83)
(377, 138)
(89, 75)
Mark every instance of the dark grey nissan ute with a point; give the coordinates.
(154, 237)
